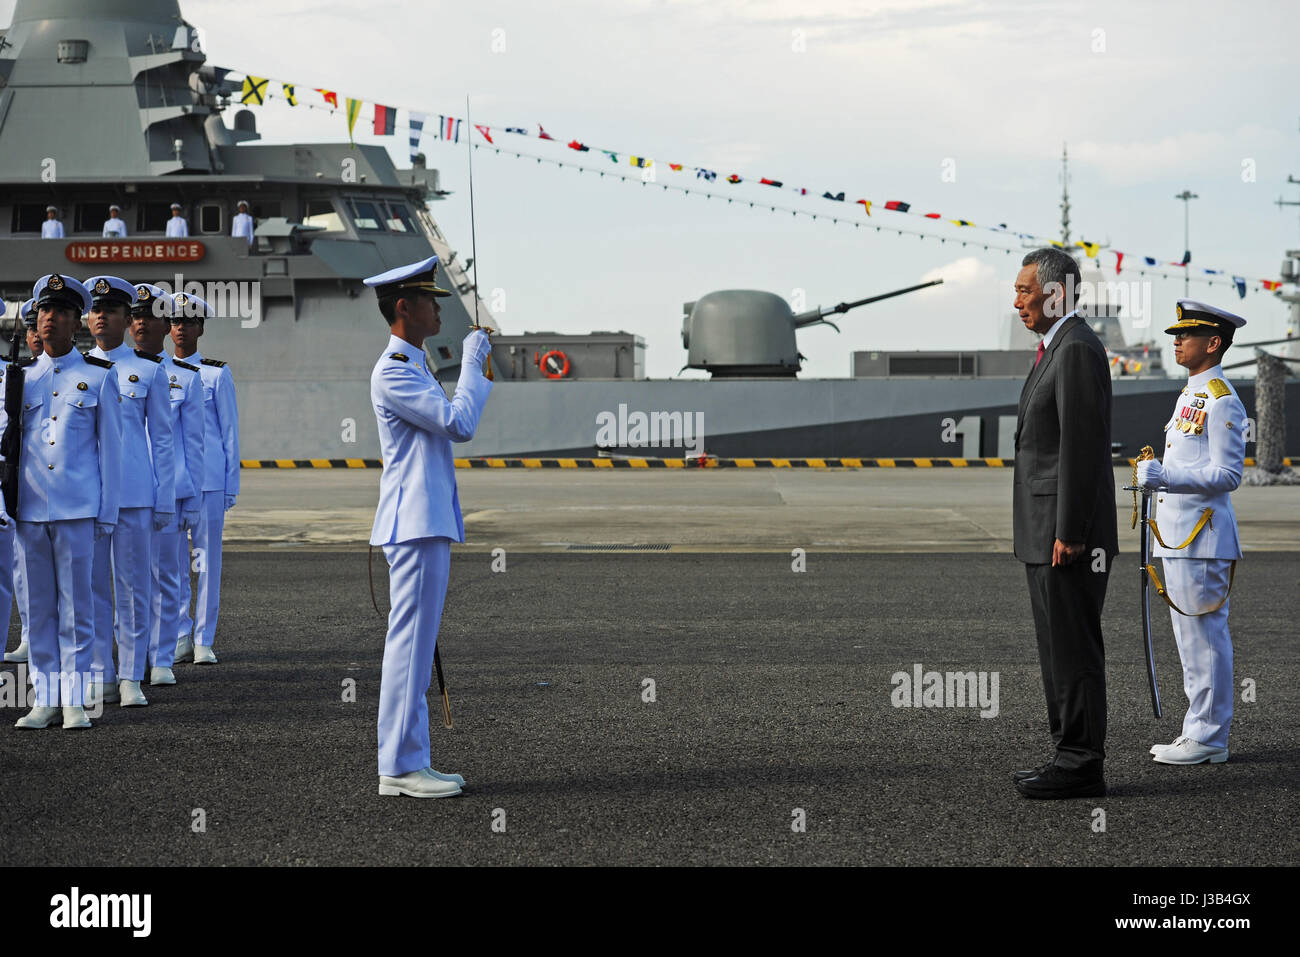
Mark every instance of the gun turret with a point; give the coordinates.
(744, 332)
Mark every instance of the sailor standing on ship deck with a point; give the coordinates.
(1204, 457)
(242, 224)
(177, 227)
(418, 516)
(51, 228)
(114, 227)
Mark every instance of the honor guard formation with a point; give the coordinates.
(115, 461)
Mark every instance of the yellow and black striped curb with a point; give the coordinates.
(709, 463)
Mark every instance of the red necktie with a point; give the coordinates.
(1039, 357)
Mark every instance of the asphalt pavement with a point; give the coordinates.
(769, 733)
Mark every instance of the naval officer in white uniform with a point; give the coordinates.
(114, 226)
(220, 485)
(242, 224)
(177, 227)
(68, 491)
(28, 315)
(169, 562)
(52, 228)
(147, 504)
(418, 515)
(1205, 448)
(7, 581)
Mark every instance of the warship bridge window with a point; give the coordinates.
(265, 209)
(28, 217)
(399, 219)
(320, 212)
(91, 217)
(210, 218)
(152, 217)
(365, 215)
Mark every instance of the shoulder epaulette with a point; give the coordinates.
(1218, 388)
(186, 365)
(399, 356)
(148, 355)
(97, 361)
(213, 362)
(26, 361)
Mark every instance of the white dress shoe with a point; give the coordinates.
(417, 784)
(100, 693)
(18, 654)
(38, 717)
(439, 776)
(1187, 751)
(204, 655)
(74, 716)
(132, 696)
(162, 676)
(184, 649)
(1157, 748)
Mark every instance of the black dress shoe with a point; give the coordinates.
(1030, 773)
(1055, 783)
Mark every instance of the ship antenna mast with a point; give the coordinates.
(1065, 194)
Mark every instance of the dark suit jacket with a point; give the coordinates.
(1064, 484)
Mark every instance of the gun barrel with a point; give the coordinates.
(821, 312)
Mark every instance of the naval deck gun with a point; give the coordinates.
(749, 333)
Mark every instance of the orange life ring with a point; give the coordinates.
(544, 364)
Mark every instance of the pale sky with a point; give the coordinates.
(877, 99)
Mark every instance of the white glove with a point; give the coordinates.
(1150, 474)
(189, 513)
(162, 519)
(230, 502)
(103, 530)
(475, 348)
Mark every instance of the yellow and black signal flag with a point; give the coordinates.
(254, 91)
(290, 94)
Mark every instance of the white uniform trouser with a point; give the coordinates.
(57, 559)
(169, 564)
(207, 541)
(20, 584)
(417, 587)
(7, 581)
(1204, 645)
(123, 583)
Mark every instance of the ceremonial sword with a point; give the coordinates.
(473, 246)
(1143, 511)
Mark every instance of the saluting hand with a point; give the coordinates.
(476, 348)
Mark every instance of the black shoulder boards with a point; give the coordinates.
(148, 355)
(399, 356)
(213, 362)
(186, 365)
(97, 361)
(26, 361)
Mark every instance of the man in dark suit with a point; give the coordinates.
(1064, 521)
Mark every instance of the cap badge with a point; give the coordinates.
(101, 287)
(181, 300)
(142, 294)
(55, 283)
